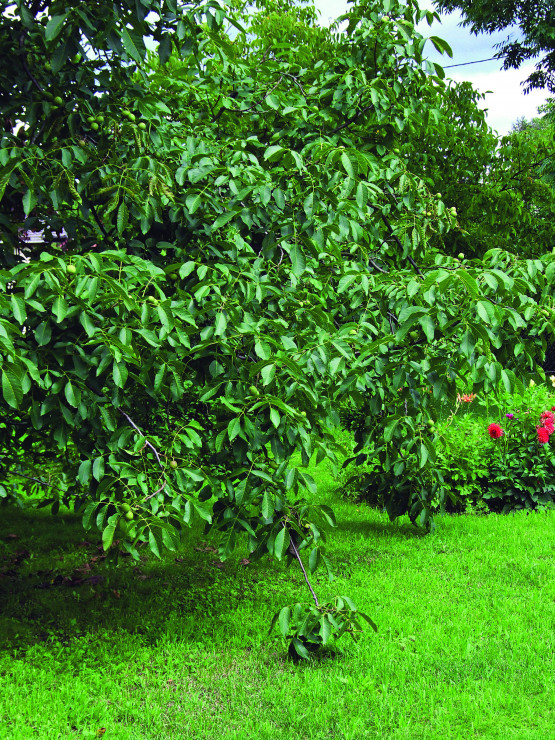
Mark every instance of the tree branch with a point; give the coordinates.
(398, 243)
(36, 480)
(349, 121)
(147, 443)
(24, 63)
(296, 553)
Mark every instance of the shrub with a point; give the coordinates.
(493, 456)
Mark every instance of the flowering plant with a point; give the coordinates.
(522, 468)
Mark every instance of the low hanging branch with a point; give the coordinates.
(296, 554)
(147, 443)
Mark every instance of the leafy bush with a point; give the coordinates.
(509, 468)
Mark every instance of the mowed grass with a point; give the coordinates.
(179, 649)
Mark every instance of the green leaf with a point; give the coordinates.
(129, 45)
(314, 559)
(220, 324)
(268, 504)
(12, 389)
(274, 417)
(59, 308)
(273, 153)
(347, 165)
(193, 202)
(297, 260)
(123, 217)
(120, 373)
(71, 397)
(108, 534)
(153, 544)
(281, 543)
(29, 202)
(54, 26)
(234, 428)
(98, 468)
(85, 472)
(18, 308)
(284, 619)
(326, 629)
(268, 372)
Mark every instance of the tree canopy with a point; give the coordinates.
(252, 238)
(535, 20)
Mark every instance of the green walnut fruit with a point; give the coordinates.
(153, 300)
(385, 18)
(173, 464)
(131, 117)
(431, 423)
(71, 269)
(142, 126)
(76, 58)
(95, 126)
(353, 332)
(303, 413)
(100, 119)
(174, 276)
(125, 507)
(58, 100)
(460, 255)
(253, 390)
(414, 335)
(91, 119)
(129, 516)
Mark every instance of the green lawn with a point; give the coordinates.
(465, 648)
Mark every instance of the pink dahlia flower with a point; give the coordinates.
(543, 435)
(495, 431)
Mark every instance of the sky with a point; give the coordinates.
(505, 101)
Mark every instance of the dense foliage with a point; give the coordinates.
(245, 248)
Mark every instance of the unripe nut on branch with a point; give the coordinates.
(71, 269)
(253, 390)
(173, 464)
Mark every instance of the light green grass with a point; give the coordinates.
(465, 648)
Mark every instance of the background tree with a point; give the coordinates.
(535, 21)
(499, 187)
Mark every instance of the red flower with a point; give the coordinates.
(548, 415)
(495, 431)
(549, 427)
(543, 435)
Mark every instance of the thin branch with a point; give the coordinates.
(349, 121)
(24, 63)
(376, 266)
(398, 243)
(158, 490)
(147, 443)
(99, 222)
(303, 570)
(36, 480)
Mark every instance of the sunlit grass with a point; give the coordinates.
(179, 649)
